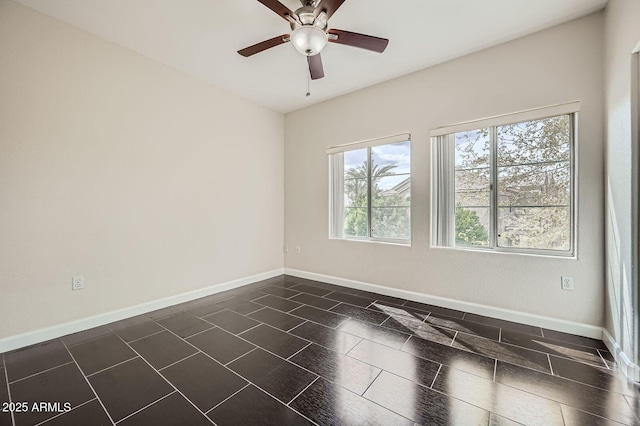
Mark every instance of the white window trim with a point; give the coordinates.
(336, 226)
(387, 140)
(439, 235)
(502, 120)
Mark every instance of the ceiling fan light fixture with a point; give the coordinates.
(309, 40)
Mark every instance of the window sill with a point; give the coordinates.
(567, 256)
(365, 240)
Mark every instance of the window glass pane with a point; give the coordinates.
(355, 192)
(355, 222)
(472, 149)
(392, 191)
(545, 140)
(355, 178)
(472, 187)
(472, 226)
(534, 185)
(391, 222)
(382, 173)
(393, 158)
(355, 162)
(546, 228)
(531, 163)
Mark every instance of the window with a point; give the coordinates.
(507, 183)
(370, 190)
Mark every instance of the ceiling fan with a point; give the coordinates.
(310, 35)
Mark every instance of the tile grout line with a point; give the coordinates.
(339, 301)
(146, 406)
(82, 342)
(313, 306)
(390, 409)
(62, 414)
(495, 369)
(284, 288)
(39, 372)
(191, 335)
(562, 415)
(405, 343)
(603, 360)
(305, 388)
(165, 379)
(633, 410)
(111, 366)
(550, 366)
(276, 355)
(89, 383)
(373, 381)
(238, 357)
(261, 308)
(144, 337)
(224, 366)
(245, 331)
(298, 351)
(297, 326)
(433, 382)
(354, 346)
(454, 338)
(180, 360)
(278, 297)
(6, 380)
(294, 327)
(199, 332)
(227, 398)
(307, 319)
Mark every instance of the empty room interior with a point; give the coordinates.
(319, 212)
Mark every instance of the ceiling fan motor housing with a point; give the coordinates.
(306, 15)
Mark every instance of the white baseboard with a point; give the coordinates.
(631, 370)
(37, 336)
(565, 326)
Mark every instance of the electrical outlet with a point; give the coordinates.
(286, 248)
(567, 283)
(77, 283)
(298, 250)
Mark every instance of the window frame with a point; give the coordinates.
(336, 169)
(446, 238)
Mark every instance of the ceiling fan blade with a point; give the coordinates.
(330, 6)
(279, 8)
(362, 41)
(264, 45)
(315, 66)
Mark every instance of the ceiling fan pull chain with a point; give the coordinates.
(308, 85)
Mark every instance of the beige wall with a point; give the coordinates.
(144, 180)
(622, 34)
(554, 66)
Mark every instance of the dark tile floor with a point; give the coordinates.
(294, 351)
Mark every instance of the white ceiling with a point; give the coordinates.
(201, 37)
